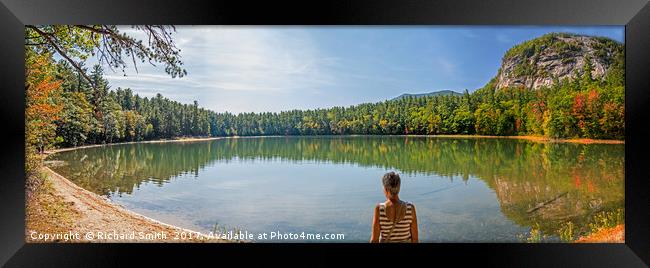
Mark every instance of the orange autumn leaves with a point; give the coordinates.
(596, 117)
(41, 110)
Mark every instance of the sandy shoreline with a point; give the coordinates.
(109, 222)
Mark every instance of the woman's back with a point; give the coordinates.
(394, 220)
(396, 228)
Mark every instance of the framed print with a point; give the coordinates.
(285, 130)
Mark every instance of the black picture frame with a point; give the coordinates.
(635, 15)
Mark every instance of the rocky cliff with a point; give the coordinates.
(553, 57)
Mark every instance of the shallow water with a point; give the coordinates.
(464, 189)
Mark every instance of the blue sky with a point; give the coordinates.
(275, 68)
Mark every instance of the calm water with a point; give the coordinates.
(465, 190)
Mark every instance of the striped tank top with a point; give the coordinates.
(402, 230)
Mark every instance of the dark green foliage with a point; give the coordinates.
(94, 114)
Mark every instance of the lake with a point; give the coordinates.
(464, 189)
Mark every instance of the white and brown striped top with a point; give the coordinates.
(402, 230)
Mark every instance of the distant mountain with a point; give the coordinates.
(434, 93)
(543, 61)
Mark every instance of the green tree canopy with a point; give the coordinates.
(76, 43)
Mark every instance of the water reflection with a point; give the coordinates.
(544, 183)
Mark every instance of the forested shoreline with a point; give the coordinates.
(69, 105)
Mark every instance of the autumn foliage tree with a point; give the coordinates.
(42, 109)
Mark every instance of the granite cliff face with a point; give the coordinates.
(553, 57)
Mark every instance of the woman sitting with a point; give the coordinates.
(394, 220)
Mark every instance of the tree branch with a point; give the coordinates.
(35, 44)
(62, 53)
(93, 29)
(108, 44)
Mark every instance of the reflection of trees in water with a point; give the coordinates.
(523, 174)
(561, 183)
(120, 168)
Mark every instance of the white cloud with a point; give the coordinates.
(243, 58)
(236, 59)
